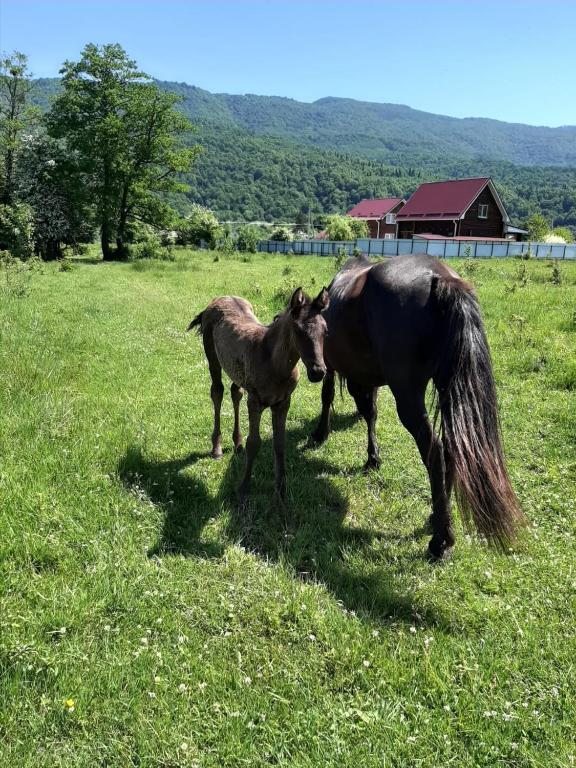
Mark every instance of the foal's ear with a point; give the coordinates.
(322, 301)
(297, 300)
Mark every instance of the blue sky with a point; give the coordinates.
(512, 60)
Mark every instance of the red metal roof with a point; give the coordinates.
(442, 199)
(374, 209)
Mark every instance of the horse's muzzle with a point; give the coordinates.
(316, 374)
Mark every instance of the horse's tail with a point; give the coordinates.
(468, 409)
(196, 323)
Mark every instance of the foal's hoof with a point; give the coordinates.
(439, 553)
(238, 449)
(217, 453)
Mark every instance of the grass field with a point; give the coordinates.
(145, 621)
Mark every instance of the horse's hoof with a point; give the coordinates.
(439, 554)
(239, 449)
(316, 439)
(372, 464)
(217, 453)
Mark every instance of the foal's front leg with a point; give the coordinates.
(279, 414)
(252, 443)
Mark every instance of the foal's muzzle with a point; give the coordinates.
(316, 373)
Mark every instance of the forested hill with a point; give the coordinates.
(270, 158)
(381, 131)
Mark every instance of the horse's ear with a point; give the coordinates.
(322, 301)
(297, 300)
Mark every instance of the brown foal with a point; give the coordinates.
(261, 359)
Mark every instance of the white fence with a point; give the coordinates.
(446, 249)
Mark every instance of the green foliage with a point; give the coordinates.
(16, 275)
(537, 227)
(248, 238)
(147, 243)
(125, 132)
(358, 228)
(556, 274)
(51, 181)
(281, 234)
(17, 230)
(225, 243)
(565, 233)
(199, 225)
(16, 115)
(339, 227)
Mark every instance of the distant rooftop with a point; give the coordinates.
(374, 209)
(442, 199)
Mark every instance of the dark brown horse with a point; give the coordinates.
(405, 322)
(263, 361)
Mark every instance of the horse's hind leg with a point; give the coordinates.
(413, 415)
(320, 434)
(216, 391)
(366, 401)
(236, 395)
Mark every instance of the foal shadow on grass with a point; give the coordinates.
(308, 533)
(184, 500)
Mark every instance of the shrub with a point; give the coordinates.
(338, 227)
(248, 238)
(281, 234)
(200, 225)
(225, 243)
(16, 274)
(17, 230)
(150, 247)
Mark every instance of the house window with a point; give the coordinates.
(483, 211)
(390, 218)
(388, 236)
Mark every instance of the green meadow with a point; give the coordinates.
(146, 621)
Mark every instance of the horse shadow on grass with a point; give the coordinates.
(308, 533)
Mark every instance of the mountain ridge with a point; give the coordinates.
(274, 157)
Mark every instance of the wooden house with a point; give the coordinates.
(459, 208)
(380, 215)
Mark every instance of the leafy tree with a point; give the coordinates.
(124, 130)
(200, 225)
(59, 196)
(358, 227)
(248, 238)
(537, 227)
(564, 233)
(17, 230)
(15, 115)
(282, 234)
(338, 227)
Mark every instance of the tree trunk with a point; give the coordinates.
(107, 252)
(52, 251)
(121, 249)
